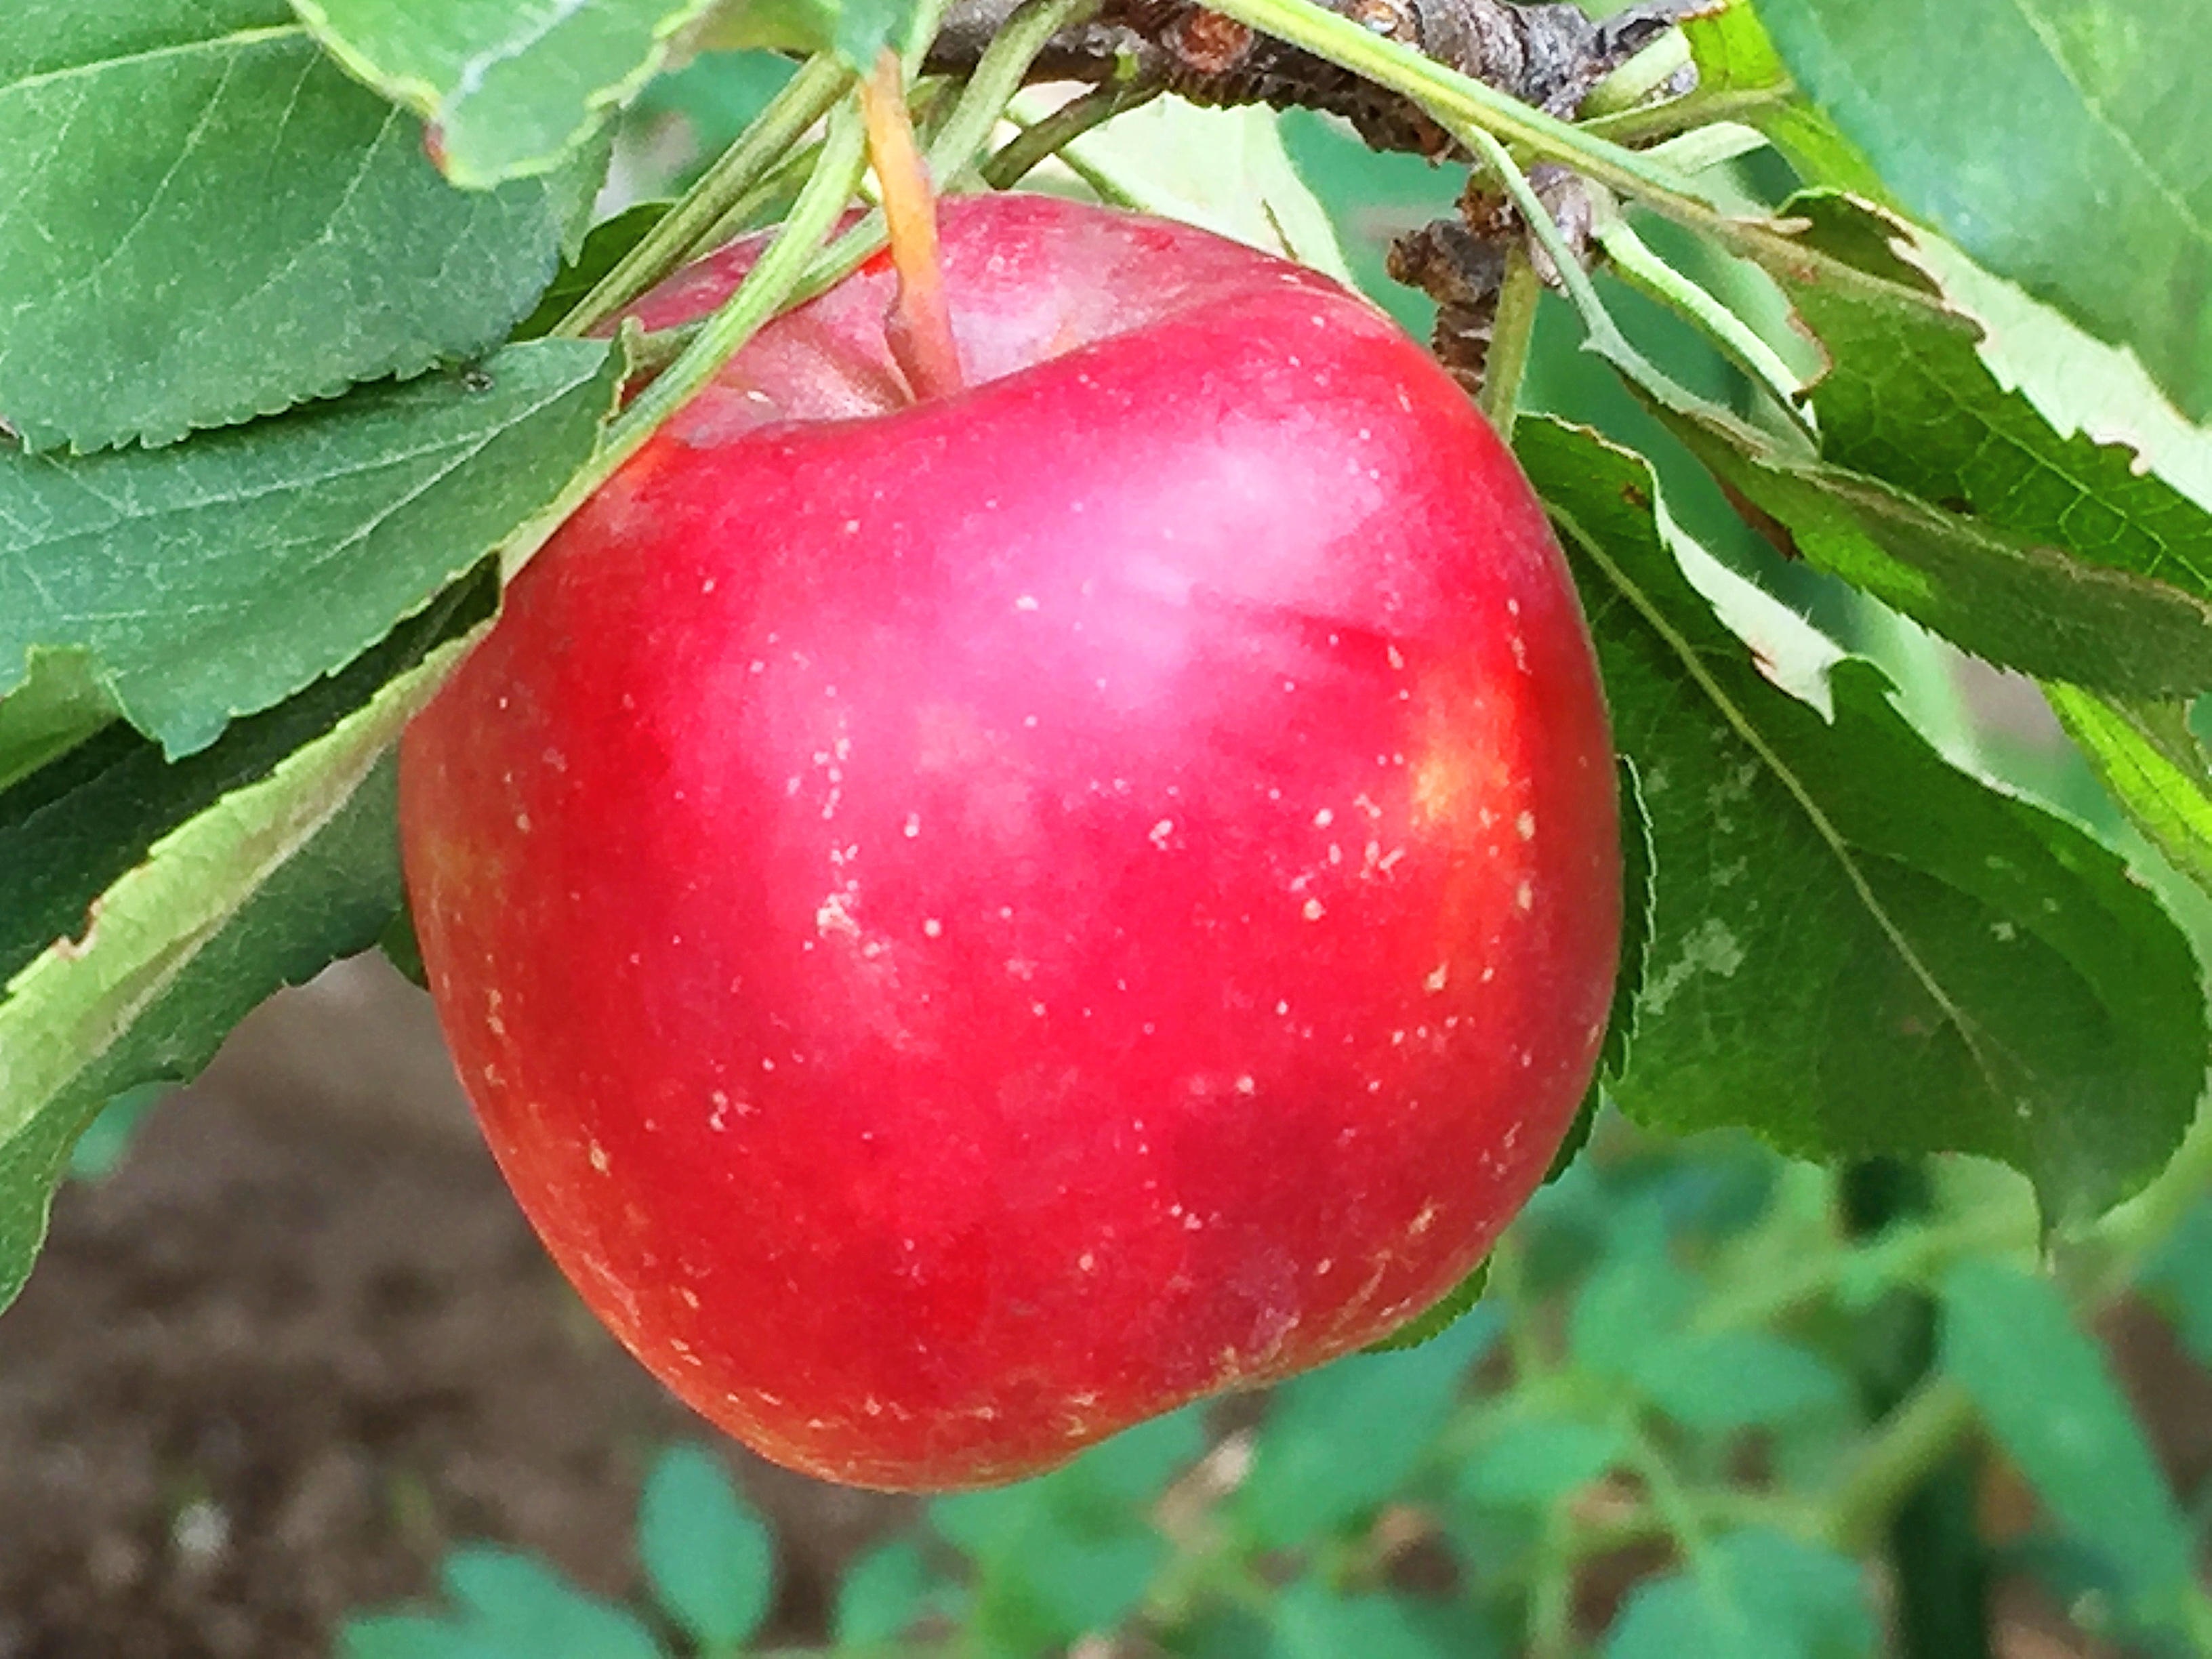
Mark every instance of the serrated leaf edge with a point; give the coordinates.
(1747, 732)
(436, 107)
(134, 946)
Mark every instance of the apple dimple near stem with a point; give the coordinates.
(919, 326)
(968, 923)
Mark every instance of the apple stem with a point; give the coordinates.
(918, 325)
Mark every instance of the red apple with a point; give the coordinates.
(968, 924)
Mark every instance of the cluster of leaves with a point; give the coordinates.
(266, 458)
(1650, 1438)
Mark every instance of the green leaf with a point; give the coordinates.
(862, 28)
(2060, 144)
(508, 90)
(1751, 1595)
(215, 578)
(2077, 382)
(2042, 1387)
(1722, 1381)
(204, 221)
(519, 1605)
(1532, 1461)
(1339, 1441)
(604, 245)
(2154, 767)
(1951, 498)
(707, 1555)
(1734, 54)
(1636, 899)
(882, 1594)
(1441, 1316)
(1856, 948)
(145, 908)
(57, 707)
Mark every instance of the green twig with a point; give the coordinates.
(765, 290)
(781, 180)
(804, 100)
(1457, 102)
(1760, 363)
(1552, 1587)
(1604, 335)
(999, 75)
(1512, 330)
(1636, 127)
(1633, 84)
(1043, 139)
(1896, 1459)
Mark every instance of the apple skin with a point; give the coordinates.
(971, 924)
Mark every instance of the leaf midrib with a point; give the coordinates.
(1969, 1031)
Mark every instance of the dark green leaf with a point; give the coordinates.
(1751, 1595)
(1636, 901)
(146, 908)
(507, 90)
(1440, 1316)
(1639, 872)
(604, 245)
(708, 1557)
(2043, 1389)
(1341, 1440)
(2062, 146)
(1856, 949)
(57, 707)
(1950, 497)
(204, 221)
(519, 1605)
(217, 577)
